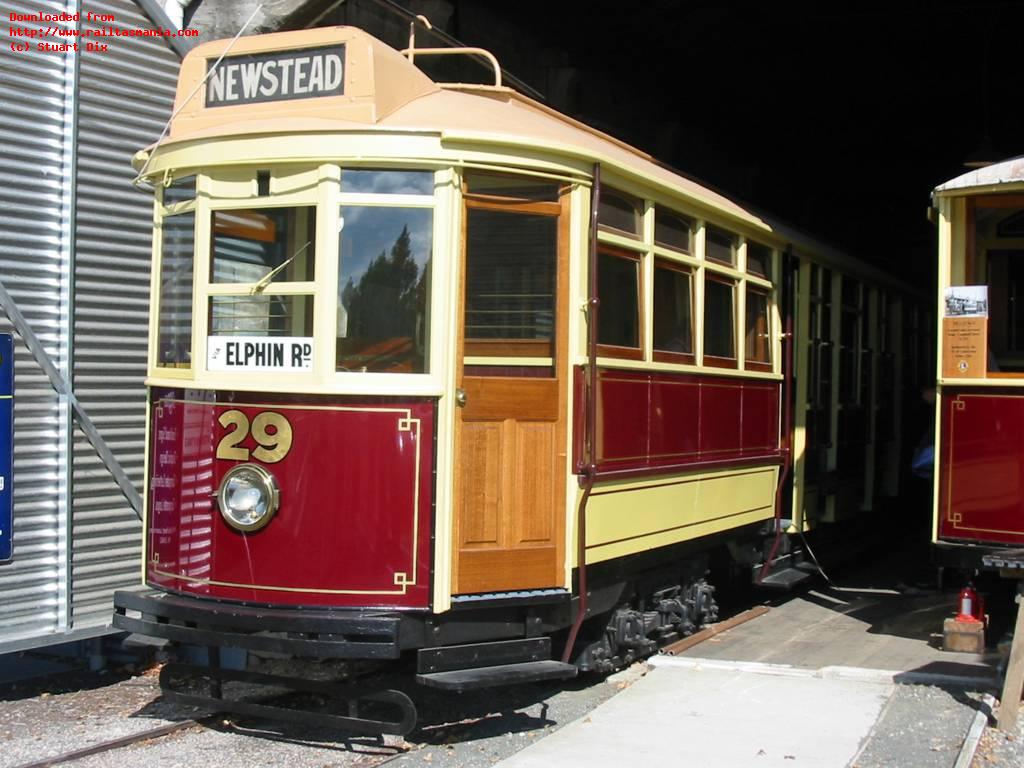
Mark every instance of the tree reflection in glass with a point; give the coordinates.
(384, 289)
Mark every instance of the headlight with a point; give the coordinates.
(248, 497)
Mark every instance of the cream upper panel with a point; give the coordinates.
(384, 92)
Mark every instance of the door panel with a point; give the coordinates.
(511, 431)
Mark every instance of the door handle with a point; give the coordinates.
(460, 397)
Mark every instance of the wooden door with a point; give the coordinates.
(510, 437)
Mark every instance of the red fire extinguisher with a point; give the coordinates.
(971, 606)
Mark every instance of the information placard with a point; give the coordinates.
(965, 332)
(6, 446)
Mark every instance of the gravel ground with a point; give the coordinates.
(46, 718)
(1000, 750)
(921, 726)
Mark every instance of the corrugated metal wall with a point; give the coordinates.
(75, 249)
(36, 125)
(116, 118)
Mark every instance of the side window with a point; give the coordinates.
(719, 321)
(618, 315)
(998, 242)
(673, 312)
(620, 213)
(720, 246)
(174, 319)
(758, 339)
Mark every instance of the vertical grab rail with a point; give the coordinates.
(590, 427)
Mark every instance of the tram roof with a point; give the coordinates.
(390, 94)
(985, 179)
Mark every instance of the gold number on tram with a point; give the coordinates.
(271, 430)
(228, 447)
(274, 445)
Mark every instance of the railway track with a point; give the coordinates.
(112, 744)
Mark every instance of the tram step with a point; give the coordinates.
(788, 577)
(504, 674)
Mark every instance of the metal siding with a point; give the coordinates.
(125, 96)
(35, 198)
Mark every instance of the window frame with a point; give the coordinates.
(666, 356)
(212, 290)
(614, 350)
(719, 361)
(763, 366)
(163, 213)
(511, 352)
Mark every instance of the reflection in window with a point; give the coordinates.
(672, 230)
(720, 245)
(673, 313)
(384, 289)
(174, 348)
(758, 347)
(619, 211)
(618, 287)
(250, 243)
(719, 329)
(261, 314)
(387, 182)
(759, 259)
(510, 283)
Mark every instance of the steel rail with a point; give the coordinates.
(112, 744)
(699, 637)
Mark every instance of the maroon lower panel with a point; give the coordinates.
(652, 421)
(354, 523)
(981, 466)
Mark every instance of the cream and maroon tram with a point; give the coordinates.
(437, 373)
(979, 423)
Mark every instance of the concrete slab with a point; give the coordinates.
(719, 718)
(829, 678)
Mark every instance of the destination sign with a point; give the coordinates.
(254, 78)
(281, 354)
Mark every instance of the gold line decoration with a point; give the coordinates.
(405, 423)
(314, 590)
(955, 518)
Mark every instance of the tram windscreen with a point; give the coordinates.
(259, 249)
(384, 289)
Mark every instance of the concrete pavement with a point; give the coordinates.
(827, 679)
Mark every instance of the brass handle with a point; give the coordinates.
(460, 397)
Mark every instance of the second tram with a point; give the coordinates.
(979, 421)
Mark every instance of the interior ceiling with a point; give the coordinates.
(838, 117)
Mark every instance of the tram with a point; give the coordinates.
(979, 411)
(443, 377)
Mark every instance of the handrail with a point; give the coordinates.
(590, 426)
(411, 54)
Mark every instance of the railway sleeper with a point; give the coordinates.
(367, 712)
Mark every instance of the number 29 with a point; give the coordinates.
(270, 430)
